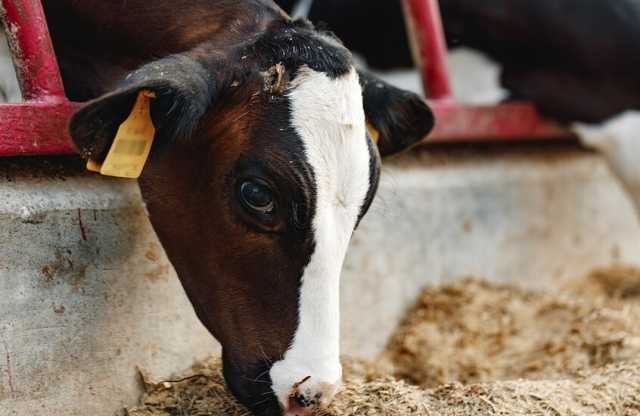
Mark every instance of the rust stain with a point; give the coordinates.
(60, 265)
(83, 233)
(63, 267)
(8, 369)
(59, 310)
(49, 272)
(158, 273)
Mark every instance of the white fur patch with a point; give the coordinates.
(618, 139)
(329, 117)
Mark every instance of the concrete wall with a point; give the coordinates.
(87, 293)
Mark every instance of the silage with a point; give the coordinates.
(476, 348)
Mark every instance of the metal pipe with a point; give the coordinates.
(33, 54)
(426, 34)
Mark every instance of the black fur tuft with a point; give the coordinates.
(298, 44)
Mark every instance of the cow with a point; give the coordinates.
(266, 157)
(575, 59)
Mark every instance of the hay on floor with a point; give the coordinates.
(473, 331)
(611, 391)
(474, 348)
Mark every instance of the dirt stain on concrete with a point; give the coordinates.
(63, 269)
(58, 310)
(153, 253)
(7, 370)
(158, 273)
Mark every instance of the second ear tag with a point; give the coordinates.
(131, 147)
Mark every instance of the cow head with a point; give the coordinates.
(262, 168)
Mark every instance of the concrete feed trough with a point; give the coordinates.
(89, 294)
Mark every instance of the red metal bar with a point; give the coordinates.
(35, 128)
(508, 121)
(39, 125)
(457, 122)
(426, 34)
(33, 54)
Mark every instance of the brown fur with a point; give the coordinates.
(109, 38)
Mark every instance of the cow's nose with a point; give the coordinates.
(304, 385)
(308, 396)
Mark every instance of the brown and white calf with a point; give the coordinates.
(262, 167)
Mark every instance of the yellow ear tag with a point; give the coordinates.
(373, 132)
(130, 148)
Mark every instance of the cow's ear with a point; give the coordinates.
(400, 118)
(183, 91)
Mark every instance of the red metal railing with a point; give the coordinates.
(39, 124)
(429, 46)
(456, 121)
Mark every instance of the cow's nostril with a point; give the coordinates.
(299, 400)
(302, 400)
(305, 400)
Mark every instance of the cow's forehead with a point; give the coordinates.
(327, 113)
(317, 90)
(296, 46)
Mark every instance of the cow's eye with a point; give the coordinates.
(256, 196)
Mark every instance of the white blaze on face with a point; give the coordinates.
(329, 117)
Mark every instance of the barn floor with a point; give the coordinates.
(477, 348)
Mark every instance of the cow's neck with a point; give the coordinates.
(99, 41)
